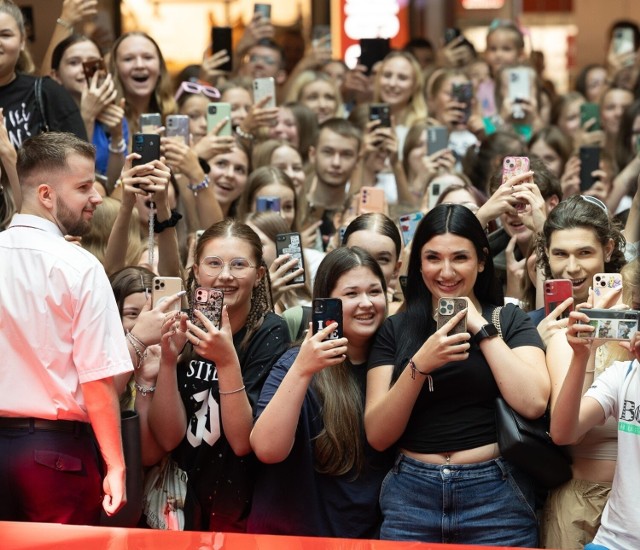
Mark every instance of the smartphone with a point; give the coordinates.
(589, 111)
(605, 284)
(263, 87)
(623, 40)
(381, 112)
(372, 199)
(436, 188)
(321, 37)
(325, 311)
(216, 113)
(447, 308)
(147, 146)
(92, 67)
(557, 291)
(519, 88)
(514, 166)
(450, 34)
(611, 324)
(150, 122)
(463, 93)
(221, 39)
(290, 243)
(263, 9)
(163, 288)
(209, 301)
(437, 139)
(267, 204)
(373, 50)
(178, 128)
(589, 162)
(408, 225)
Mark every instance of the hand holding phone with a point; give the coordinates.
(291, 243)
(147, 146)
(208, 301)
(511, 167)
(607, 290)
(92, 67)
(324, 312)
(448, 308)
(557, 291)
(165, 288)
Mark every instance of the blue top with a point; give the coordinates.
(292, 498)
(101, 142)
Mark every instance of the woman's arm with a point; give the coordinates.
(274, 432)
(388, 408)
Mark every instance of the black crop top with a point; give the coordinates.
(460, 412)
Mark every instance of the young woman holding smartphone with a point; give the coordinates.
(320, 477)
(432, 395)
(205, 396)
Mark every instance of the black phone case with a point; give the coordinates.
(290, 243)
(147, 146)
(209, 301)
(221, 40)
(324, 312)
(589, 162)
(463, 93)
(381, 112)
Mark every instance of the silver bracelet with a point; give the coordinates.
(65, 24)
(143, 390)
(243, 134)
(232, 391)
(119, 149)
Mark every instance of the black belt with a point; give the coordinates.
(33, 424)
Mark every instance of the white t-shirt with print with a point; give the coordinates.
(618, 391)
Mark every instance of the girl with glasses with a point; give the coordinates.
(206, 394)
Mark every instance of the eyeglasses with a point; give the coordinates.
(596, 201)
(196, 88)
(254, 58)
(238, 267)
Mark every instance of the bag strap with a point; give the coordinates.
(495, 319)
(40, 103)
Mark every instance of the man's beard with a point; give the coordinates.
(71, 224)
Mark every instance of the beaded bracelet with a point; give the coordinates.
(143, 390)
(199, 187)
(232, 391)
(243, 134)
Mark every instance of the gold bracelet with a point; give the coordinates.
(233, 391)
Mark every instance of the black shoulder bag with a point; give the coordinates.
(527, 444)
(40, 103)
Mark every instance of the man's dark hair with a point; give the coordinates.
(341, 127)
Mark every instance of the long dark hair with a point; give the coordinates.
(444, 218)
(378, 222)
(339, 447)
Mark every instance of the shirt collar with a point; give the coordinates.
(37, 222)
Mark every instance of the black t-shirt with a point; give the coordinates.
(24, 120)
(459, 413)
(292, 498)
(220, 484)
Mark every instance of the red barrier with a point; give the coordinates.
(34, 536)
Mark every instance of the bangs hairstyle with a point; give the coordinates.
(261, 300)
(339, 447)
(576, 212)
(161, 100)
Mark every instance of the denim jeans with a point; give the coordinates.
(489, 503)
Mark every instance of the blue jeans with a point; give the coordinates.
(490, 503)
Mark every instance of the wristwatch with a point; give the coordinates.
(487, 331)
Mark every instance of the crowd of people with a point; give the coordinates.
(376, 424)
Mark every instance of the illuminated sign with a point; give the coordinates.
(482, 4)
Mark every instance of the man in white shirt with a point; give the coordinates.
(62, 346)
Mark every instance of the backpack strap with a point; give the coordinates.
(40, 103)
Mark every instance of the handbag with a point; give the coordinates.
(165, 491)
(526, 443)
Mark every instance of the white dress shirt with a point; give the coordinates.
(59, 323)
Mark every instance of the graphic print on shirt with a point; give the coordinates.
(630, 417)
(204, 424)
(18, 124)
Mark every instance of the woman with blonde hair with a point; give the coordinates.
(141, 77)
(319, 92)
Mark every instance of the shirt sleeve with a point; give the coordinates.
(275, 378)
(384, 347)
(99, 344)
(518, 329)
(61, 111)
(606, 388)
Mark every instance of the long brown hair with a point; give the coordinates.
(339, 447)
(261, 300)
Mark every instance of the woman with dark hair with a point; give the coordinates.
(205, 396)
(579, 240)
(552, 147)
(592, 81)
(320, 477)
(627, 152)
(432, 393)
(27, 112)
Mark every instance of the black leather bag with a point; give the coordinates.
(528, 446)
(526, 443)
